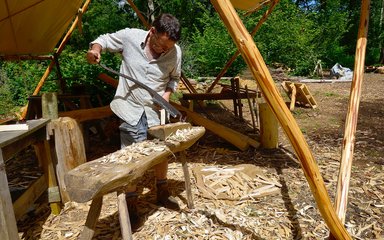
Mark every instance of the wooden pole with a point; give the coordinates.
(352, 115)
(145, 22)
(187, 179)
(272, 96)
(236, 54)
(125, 223)
(92, 217)
(269, 127)
(251, 109)
(58, 51)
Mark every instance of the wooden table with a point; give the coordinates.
(11, 143)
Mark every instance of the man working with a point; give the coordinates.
(153, 58)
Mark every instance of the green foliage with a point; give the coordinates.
(21, 78)
(286, 38)
(297, 34)
(210, 48)
(6, 103)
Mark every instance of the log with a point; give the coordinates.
(108, 79)
(239, 140)
(109, 173)
(269, 127)
(272, 96)
(82, 115)
(69, 148)
(342, 189)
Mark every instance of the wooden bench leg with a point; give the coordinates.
(125, 223)
(93, 216)
(187, 179)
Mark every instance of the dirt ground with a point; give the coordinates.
(291, 213)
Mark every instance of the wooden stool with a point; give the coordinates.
(92, 180)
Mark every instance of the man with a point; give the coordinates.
(154, 58)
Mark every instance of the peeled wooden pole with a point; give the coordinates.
(58, 51)
(351, 119)
(137, 11)
(272, 96)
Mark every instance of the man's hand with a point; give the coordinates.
(167, 94)
(93, 55)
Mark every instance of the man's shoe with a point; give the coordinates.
(164, 198)
(134, 218)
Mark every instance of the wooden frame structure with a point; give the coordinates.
(255, 62)
(259, 70)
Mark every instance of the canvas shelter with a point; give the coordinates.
(34, 28)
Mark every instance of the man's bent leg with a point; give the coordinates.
(131, 134)
(164, 198)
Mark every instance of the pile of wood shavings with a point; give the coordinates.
(182, 135)
(133, 152)
(234, 183)
(291, 214)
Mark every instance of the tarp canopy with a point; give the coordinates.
(248, 4)
(34, 27)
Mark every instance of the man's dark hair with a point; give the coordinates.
(166, 23)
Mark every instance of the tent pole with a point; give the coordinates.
(145, 22)
(58, 51)
(236, 54)
(272, 96)
(342, 189)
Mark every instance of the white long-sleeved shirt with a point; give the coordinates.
(130, 101)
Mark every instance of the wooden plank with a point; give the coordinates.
(70, 150)
(24, 202)
(14, 127)
(11, 137)
(101, 176)
(14, 141)
(299, 94)
(227, 95)
(8, 227)
(293, 97)
(256, 64)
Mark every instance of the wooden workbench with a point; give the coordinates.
(11, 143)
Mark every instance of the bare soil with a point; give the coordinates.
(290, 214)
